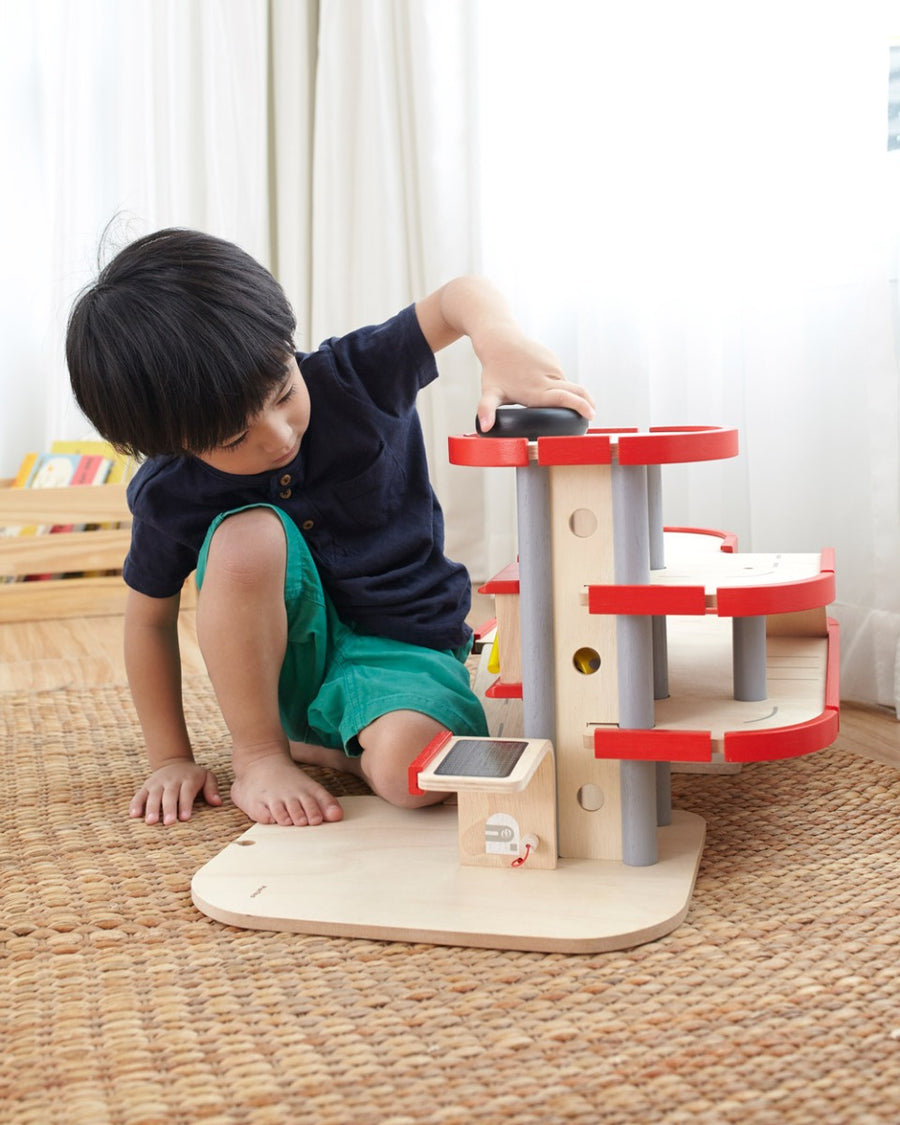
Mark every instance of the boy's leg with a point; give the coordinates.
(386, 700)
(242, 629)
(390, 744)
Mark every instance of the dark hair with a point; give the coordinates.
(178, 343)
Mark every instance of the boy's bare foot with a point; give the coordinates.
(274, 790)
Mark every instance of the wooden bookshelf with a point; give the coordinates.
(98, 552)
(78, 552)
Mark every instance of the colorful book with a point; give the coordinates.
(24, 470)
(122, 466)
(53, 470)
(88, 469)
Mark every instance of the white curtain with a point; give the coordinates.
(694, 205)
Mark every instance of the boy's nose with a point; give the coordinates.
(277, 435)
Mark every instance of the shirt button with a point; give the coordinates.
(285, 494)
(285, 480)
(308, 525)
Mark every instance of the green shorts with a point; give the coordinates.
(335, 681)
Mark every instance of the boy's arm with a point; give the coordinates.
(515, 369)
(153, 663)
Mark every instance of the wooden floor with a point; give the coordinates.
(86, 652)
(77, 652)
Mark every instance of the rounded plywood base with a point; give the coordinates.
(394, 874)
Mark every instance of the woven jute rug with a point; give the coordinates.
(777, 1000)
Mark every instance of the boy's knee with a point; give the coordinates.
(248, 546)
(392, 785)
(389, 782)
(390, 744)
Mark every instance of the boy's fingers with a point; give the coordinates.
(574, 398)
(487, 409)
(186, 796)
(211, 790)
(171, 805)
(146, 806)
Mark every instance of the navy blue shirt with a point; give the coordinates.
(358, 489)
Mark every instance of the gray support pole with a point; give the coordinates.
(661, 691)
(660, 658)
(657, 562)
(663, 794)
(536, 601)
(635, 663)
(748, 648)
(655, 517)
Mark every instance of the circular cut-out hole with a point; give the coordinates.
(245, 843)
(587, 661)
(590, 797)
(583, 523)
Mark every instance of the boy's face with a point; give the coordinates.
(272, 437)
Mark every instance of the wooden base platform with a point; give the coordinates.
(394, 874)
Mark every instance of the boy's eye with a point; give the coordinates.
(235, 443)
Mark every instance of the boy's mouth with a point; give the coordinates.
(288, 457)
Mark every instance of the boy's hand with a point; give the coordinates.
(169, 792)
(515, 369)
(518, 370)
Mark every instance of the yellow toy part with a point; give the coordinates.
(493, 665)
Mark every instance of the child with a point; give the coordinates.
(331, 622)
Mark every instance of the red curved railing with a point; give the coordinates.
(657, 446)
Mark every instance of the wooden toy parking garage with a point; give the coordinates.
(632, 647)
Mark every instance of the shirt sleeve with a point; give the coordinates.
(156, 565)
(392, 361)
(166, 532)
